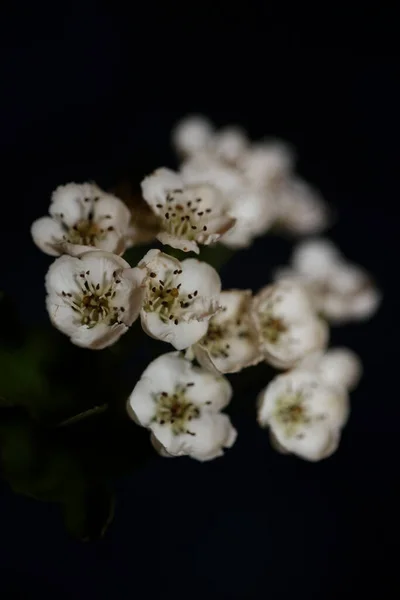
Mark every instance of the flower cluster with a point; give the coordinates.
(227, 190)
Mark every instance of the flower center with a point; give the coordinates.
(165, 298)
(90, 228)
(217, 335)
(176, 409)
(272, 327)
(183, 217)
(94, 303)
(290, 411)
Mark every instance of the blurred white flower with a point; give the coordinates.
(253, 211)
(189, 214)
(180, 404)
(93, 298)
(181, 297)
(287, 324)
(231, 341)
(82, 215)
(341, 290)
(336, 366)
(301, 210)
(267, 164)
(304, 413)
(191, 135)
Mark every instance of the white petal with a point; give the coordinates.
(242, 353)
(62, 274)
(156, 186)
(213, 432)
(47, 234)
(101, 265)
(340, 366)
(61, 315)
(211, 392)
(198, 275)
(229, 143)
(181, 336)
(163, 373)
(192, 134)
(116, 209)
(267, 161)
(288, 299)
(159, 263)
(69, 201)
(178, 243)
(316, 444)
(206, 169)
(315, 258)
(233, 303)
(366, 303)
(98, 337)
(301, 208)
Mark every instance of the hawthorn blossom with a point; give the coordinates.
(341, 291)
(304, 414)
(253, 211)
(266, 165)
(180, 298)
(287, 324)
(336, 366)
(180, 404)
(93, 298)
(231, 341)
(82, 215)
(301, 210)
(189, 214)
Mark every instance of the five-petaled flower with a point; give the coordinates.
(341, 290)
(93, 298)
(180, 298)
(231, 341)
(82, 215)
(304, 413)
(180, 404)
(189, 214)
(287, 324)
(336, 366)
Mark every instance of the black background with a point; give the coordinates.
(91, 93)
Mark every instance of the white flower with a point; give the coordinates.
(341, 291)
(180, 298)
(231, 341)
(253, 211)
(267, 164)
(82, 215)
(189, 214)
(336, 366)
(287, 324)
(181, 405)
(229, 144)
(301, 210)
(93, 298)
(304, 413)
(192, 135)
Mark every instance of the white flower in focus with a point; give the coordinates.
(253, 211)
(341, 291)
(180, 299)
(304, 413)
(180, 404)
(287, 324)
(337, 366)
(82, 215)
(231, 341)
(189, 214)
(93, 298)
(301, 210)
